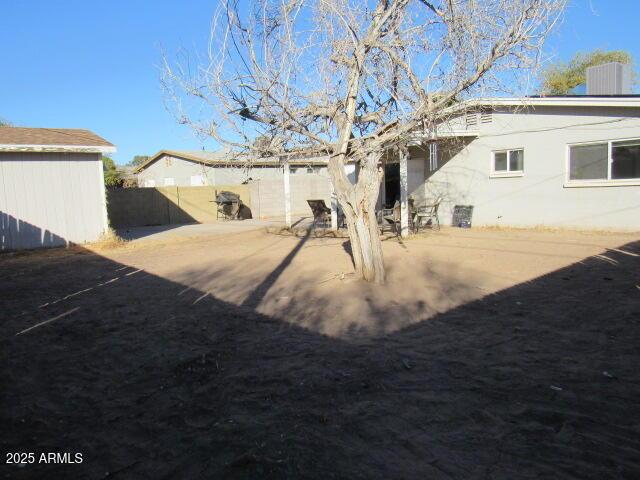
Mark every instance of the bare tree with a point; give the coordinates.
(352, 79)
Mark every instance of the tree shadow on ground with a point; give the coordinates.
(338, 304)
(149, 379)
(258, 293)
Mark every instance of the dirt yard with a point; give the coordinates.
(489, 354)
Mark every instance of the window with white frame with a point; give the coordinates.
(507, 162)
(168, 181)
(198, 180)
(299, 170)
(614, 160)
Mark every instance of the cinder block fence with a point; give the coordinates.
(133, 207)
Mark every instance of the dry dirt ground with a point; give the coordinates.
(489, 354)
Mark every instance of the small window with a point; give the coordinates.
(300, 170)
(167, 161)
(168, 181)
(500, 162)
(605, 161)
(198, 180)
(149, 182)
(625, 160)
(589, 162)
(508, 163)
(516, 160)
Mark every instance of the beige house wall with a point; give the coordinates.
(180, 172)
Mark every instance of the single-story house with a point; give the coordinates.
(565, 162)
(169, 167)
(51, 187)
(558, 161)
(570, 162)
(308, 178)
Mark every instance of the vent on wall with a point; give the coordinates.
(472, 120)
(486, 117)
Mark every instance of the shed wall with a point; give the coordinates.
(50, 199)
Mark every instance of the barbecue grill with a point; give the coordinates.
(229, 204)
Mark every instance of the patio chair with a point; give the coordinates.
(427, 215)
(321, 213)
(392, 217)
(385, 219)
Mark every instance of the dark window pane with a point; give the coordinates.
(516, 160)
(588, 162)
(625, 159)
(500, 159)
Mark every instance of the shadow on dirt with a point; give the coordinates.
(149, 379)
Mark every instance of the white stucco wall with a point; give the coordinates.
(540, 197)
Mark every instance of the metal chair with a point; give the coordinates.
(427, 215)
(392, 217)
(385, 219)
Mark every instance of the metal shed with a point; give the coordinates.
(51, 187)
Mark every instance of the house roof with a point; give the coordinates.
(558, 101)
(222, 159)
(21, 139)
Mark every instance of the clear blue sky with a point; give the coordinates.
(93, 64)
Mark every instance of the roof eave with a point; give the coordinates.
(230, 163)
(558, 101)
(58, 148)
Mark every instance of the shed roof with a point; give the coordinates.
(24, 139)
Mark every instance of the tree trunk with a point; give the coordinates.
(366, 246)
(358, 204)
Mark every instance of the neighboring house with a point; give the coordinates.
(51, 187)
(308, 179)
(168, 168)
(569, 162)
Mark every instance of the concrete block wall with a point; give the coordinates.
(135, 207)
(267, 195)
